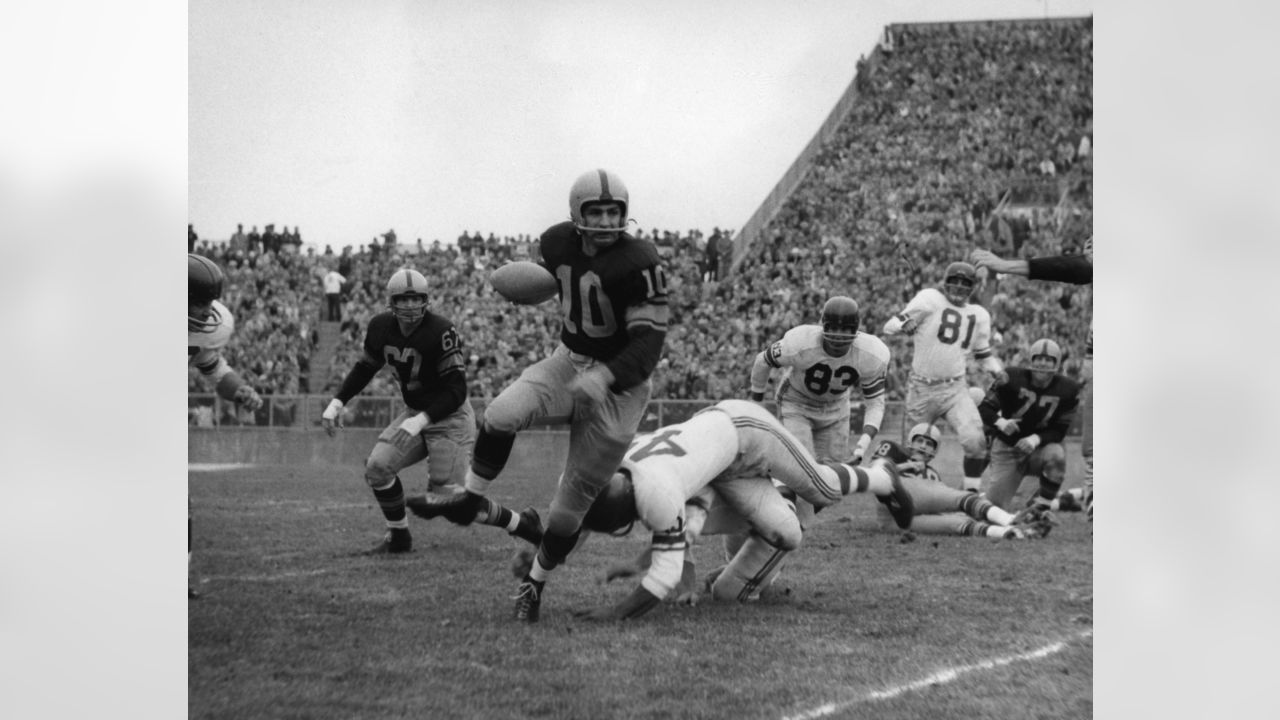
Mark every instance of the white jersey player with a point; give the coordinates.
(209, 328)
(823, 363)
(946, 329)
(711, 475)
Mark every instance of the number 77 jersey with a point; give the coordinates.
(946, 334)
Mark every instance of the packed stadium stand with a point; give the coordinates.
(950, 137)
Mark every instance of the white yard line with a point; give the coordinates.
(216, 467)
(269, 578)
(938, 678)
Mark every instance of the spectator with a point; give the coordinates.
(333, 281)
(239, 242)
(191, 238)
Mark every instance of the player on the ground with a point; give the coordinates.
(1030, 411)
(730, 449)
(944, 510)
(438, 424)
(613, 304)
(209, 327)
(946, 329)
(1076, 270)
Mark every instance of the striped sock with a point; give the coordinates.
(391, 500)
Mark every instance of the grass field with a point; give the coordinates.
(294, 623)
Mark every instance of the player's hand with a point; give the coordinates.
(909, 326)
(1028, 444)
(1007, 426)
(415, 424)
(246, 396)
(860, 450)
(686, 591)
(331, 418)
(983, 258)
(592, 384)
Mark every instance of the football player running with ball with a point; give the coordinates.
(946, 329)
(1031, 412)
(438, 425)
(613, 305)
(711, 475)
(209, 327)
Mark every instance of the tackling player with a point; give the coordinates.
(613, 307)
(209, 327)
(438, 424)
(944, 510)
(1076, 270)
(1031, 412)
(946, 329)
(711, 475)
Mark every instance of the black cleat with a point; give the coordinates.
(397, 540)
(427, 507)
(530, 527)
(528, 601)
(899, 502)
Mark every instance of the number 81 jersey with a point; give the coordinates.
(946, 334)
(821, 382)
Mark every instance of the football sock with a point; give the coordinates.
(1049, 488)
(391, 500)
(980, 508)
(973, 469)
(553, 551)
(489, 457)
(491, 513)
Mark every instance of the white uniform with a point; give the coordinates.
(731, 448)
(813, 395)
(945, 336)
(204, 349)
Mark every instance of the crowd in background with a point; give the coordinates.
(963, 137)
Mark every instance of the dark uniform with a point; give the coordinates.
(432, 375)
(939, 508)
(613, 308)
(1046, 412)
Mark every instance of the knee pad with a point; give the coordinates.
(379, 472)
(974, 443)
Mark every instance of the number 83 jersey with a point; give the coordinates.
(820, 382)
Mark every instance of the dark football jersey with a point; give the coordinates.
(422, 360)
(1047, 412)
(596, 291)
(897, 454)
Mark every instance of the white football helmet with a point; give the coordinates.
(923, 442)
(1044, 358)
(598, 186)
(407, 295)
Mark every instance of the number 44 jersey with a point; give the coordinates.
(817, 381)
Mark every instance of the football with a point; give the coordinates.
(524, 282)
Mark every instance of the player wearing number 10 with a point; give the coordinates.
(613, 306)
(946, 329)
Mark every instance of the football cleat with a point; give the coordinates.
(397, 540)
(530, 527)
(528, 601)
(427, 507)
(460, 508)
(899, 502)
(1067, 502)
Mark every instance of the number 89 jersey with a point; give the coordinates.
(820, 382)
(946, 334)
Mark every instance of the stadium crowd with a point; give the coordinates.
(963, 136)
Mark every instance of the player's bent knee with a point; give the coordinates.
(379, 472)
